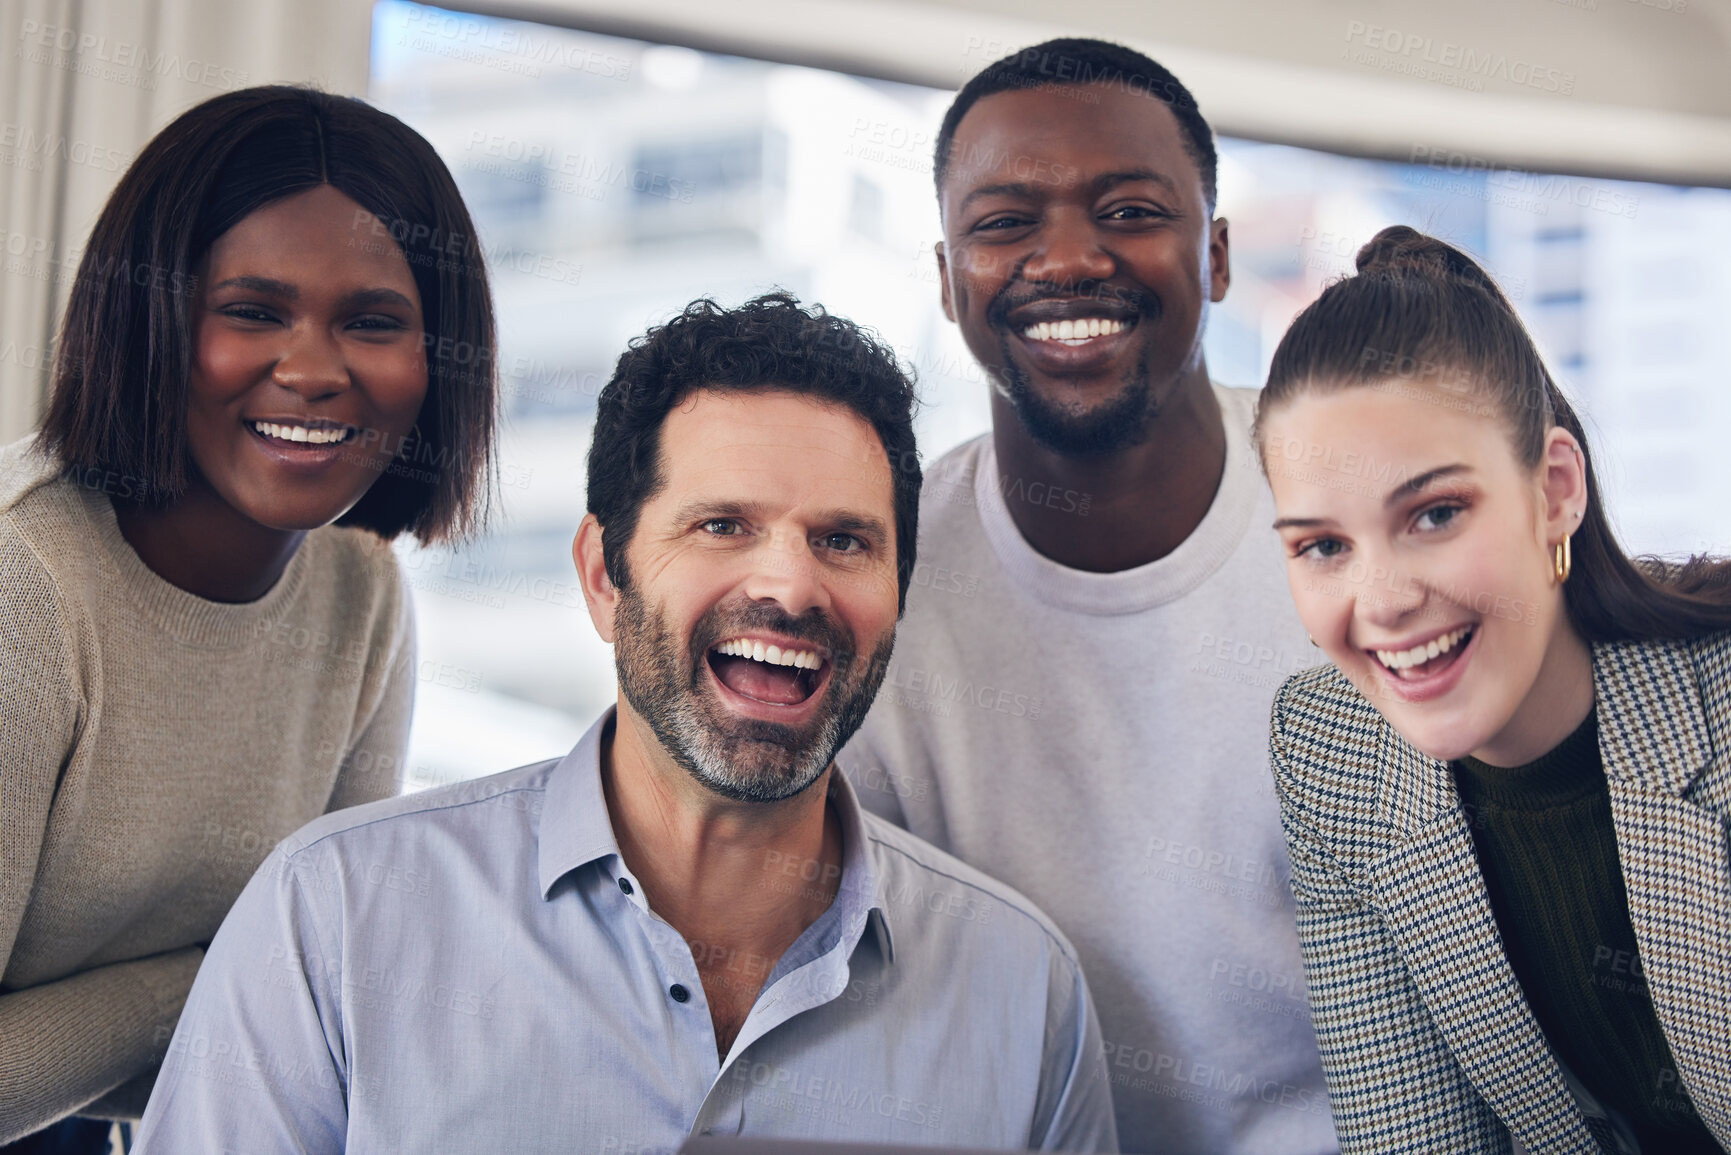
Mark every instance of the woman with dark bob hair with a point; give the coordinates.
(1507, 798)
(276, 359)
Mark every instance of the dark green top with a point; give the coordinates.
(1548, 852)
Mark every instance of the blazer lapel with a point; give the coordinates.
(1432, 897)
(1676, 866)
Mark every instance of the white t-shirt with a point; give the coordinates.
(1100, 742)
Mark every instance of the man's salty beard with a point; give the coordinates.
(739, 758)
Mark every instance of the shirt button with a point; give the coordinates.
(679, 993)
(625, 885)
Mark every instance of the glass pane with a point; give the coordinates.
(613, 181)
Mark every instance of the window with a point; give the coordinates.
(613, 181)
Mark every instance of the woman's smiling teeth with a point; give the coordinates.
(774, 655)
(1419, 655)
(1074, 331)
(301, 433)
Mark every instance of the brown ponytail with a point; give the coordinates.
(1422, 310)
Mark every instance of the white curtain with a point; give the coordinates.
(83, 85)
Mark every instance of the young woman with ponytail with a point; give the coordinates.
(1507, 798)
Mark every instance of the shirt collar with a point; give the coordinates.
(575, 827)
(577, 830)
(859, 888)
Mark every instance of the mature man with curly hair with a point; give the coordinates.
(688, 924)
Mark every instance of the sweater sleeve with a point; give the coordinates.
(66, 1043)
(374, 765)
(62, 1043)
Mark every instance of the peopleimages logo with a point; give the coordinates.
(26, 148)
(1448, 62)
(1531, 191)
(95, 55)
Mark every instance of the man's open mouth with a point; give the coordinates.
(1077, 334)
(774, 674)
(1076, 331)
(1078, 318)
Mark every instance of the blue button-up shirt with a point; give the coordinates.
(474, 968)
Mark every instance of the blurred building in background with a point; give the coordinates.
(613, 181)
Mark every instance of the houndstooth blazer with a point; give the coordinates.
(1427, 1040)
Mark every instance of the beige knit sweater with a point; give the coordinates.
(154, 746)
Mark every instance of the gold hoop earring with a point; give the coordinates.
(1562, 561)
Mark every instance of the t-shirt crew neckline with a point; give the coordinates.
(188, 618)
(1144, 587)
